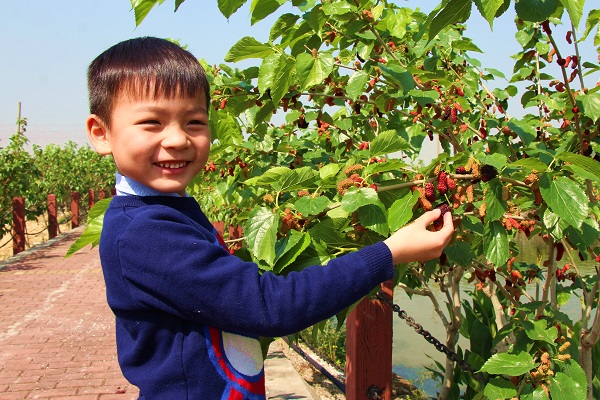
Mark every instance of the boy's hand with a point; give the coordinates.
(415, 243)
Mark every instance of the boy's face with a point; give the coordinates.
(162, 143)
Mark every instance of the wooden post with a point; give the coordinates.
(91, 199)
(369, 349)
(236, 233)
(18, 224)
(220, 227)
(52, 216)
(74, 209)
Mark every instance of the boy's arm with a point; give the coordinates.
(415, 243)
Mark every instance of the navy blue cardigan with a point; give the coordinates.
(188, 313)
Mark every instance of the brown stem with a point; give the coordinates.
(550, 279)
(588, 339)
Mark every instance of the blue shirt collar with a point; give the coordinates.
(128, 187)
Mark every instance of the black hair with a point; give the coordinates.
(144, 67)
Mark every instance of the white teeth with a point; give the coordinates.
(171, 165)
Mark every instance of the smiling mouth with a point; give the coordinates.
(172, 165)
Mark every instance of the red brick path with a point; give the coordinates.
(56, 331)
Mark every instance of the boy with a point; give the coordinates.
(188, 313)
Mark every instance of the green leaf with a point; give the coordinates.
(93, 229)
(288, 249)
(225, 128)
(328, 231)
(530, 164)
(536, 10)
(373, 217)
(400, 213)
(566, 198)
(488, 9)
(283, 24)
(248, 47)
(590, 105)
(228, 7)
(563, 387)
(424, 97)
(387, 142)
(587, 163)
(454, 11)
(337, 7)
(524, 130)
(313, 71)
(329, 171)
(495, 206)
(529, 393)
(357, 84)
(296, 179)
(499, 389)
(141, 8)
(575, 10)
(537, 330)
(311, 206)
(399, 75)
(356, 198)
(283, 76)
(508, 364)
(495, 241)
(268, 178)
(574, 371)
(460, 253)
(592, 20)
(261, 9)
(261, 234)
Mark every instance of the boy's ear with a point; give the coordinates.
(98, 134)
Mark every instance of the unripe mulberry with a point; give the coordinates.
(353, 169)
(423, 202)
(442, 185)
(482, 209)
(532, 178)
(430, 191)
(488, 172)
(475, 170)
(505, 193)
(469, 193)
(469, 164)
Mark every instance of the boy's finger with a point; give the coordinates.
(448, 224)
(430, 216)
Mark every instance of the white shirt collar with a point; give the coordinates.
(128, 187)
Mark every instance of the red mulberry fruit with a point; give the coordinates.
(442, 185)
(439, 223)
(488, 172)
(461, 170)
(430, 191)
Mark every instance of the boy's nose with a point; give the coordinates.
(175, 137)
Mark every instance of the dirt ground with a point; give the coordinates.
(402, 389)
(36, 232)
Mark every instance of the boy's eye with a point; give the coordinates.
(196, 122)
(150, 122)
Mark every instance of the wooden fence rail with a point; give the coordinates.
(368, 326)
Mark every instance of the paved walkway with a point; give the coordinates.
(57, 333)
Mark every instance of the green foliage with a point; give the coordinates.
(318, 153)
(35, 173)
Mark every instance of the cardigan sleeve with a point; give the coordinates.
(170, 264)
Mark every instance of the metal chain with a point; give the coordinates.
(442, 348)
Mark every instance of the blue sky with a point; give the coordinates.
(46, 46)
